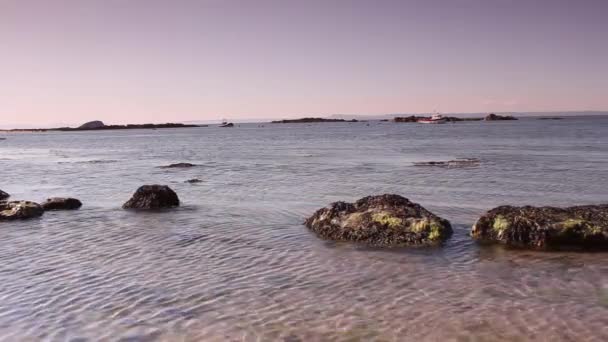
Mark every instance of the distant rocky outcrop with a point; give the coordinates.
(177, 166)
(19, 210)
(4, 195)
(545, 227)
(312, 120)
(92, 125)
(496, 117)
(152, 197)
(385, 220)
(61, 203)
(193, 181)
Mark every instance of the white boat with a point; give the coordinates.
(435, 119)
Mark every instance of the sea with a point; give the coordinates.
(235, 263)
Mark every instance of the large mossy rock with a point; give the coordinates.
(152, 197)
(4, 195)
(61, 203)
(20, 210)
(385, 220)
(545, 227)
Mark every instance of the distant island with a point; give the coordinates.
(310, 120)
(489, 117)
(99, 125)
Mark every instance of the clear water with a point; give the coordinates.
(236, 263)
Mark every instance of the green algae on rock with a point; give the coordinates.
(545, 227)
(384, 220)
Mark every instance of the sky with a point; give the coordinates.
(72, 61)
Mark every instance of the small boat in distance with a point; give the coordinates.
(435, 119)
(226, 124)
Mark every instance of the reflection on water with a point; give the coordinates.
(236, 263)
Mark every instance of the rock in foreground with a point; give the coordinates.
(60, 203)
(545, 227)
(4, 195)
(385, 220)
(19, 210)
(152, 197)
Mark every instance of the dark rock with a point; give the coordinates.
(456, 163)
(92, 125)
(177, 166)
(4, 195)
(60, 203)
(194, 180)
(18, 210)
(152, 197)
(495, 117)
(385, 220)
(545, 227)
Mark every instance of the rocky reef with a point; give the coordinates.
(545, 227)
(61, 203)
(496, 117)
(384, 220)
(152, 197)
(4, 195)
(19, 210)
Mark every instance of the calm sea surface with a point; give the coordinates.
(235, 262)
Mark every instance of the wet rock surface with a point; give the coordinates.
(19, 210)
(384, 220)
(152, 197)
(4, 195)
(545, 227)
(61, 203)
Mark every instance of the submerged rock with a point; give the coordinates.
(18, 210)
(456, 163)
(177, 165)
(193, 181)
(545, 227)
(152, 197)
(4, 195)
(60, 203)
(385, 220)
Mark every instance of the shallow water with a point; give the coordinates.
(236, 263)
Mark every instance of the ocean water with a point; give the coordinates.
(235, 263)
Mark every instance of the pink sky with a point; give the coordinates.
(65, 61)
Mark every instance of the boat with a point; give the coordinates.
(435, 119)
(226, 124)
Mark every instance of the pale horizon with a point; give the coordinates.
(71, 62)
